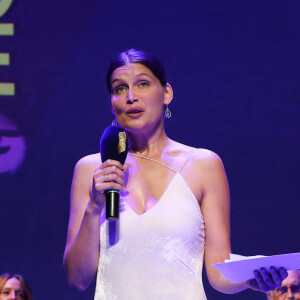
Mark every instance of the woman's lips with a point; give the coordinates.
(136, 112)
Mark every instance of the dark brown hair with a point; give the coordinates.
(137, 56)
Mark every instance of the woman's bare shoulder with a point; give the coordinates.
(207, 162)
(202, 154)
(88, 163)
(198, 154)
(200, 157)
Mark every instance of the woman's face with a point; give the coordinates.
(12, 290)
(137, 97)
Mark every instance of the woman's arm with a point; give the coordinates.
(215, 207)
(82, 248)
(81, 255)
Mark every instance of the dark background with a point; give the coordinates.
(234, 67)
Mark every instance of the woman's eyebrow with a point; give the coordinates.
(140, 74)
(115, 80)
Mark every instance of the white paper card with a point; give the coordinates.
(241, 268)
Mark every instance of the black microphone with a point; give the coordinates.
(113, 145)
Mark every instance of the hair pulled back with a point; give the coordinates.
(137, 56)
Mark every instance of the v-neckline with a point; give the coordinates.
(158, 201)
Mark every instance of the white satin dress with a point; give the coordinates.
(156, 255)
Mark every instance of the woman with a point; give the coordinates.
(14, 287)
(168, 192)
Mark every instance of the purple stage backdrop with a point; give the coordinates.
(234, 67)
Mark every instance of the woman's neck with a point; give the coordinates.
(148, 145)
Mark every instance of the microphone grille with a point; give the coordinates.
(114, 144)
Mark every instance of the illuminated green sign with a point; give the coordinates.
(6, 29)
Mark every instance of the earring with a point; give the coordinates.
(168, 113)
(114, 122)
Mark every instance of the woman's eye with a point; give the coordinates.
(119, 89)
(5, 293)
(143, 83)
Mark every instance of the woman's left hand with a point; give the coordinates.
(265, 281)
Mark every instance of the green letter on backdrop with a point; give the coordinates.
(4, 6)
(6, 89)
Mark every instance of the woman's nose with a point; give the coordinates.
(130, 96)
(12, 296)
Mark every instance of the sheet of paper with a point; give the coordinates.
(239, 270)
(237, 257)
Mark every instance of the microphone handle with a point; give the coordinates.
(112, 205)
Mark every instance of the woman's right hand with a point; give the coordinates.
(108, 176)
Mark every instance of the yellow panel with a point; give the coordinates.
(4, 59)
(7, 89)
(6, 29)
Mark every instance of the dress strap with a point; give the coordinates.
(159, 162)
(186, 161)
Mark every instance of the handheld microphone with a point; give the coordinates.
(113, 145)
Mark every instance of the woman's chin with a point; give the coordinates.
(133, 124)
